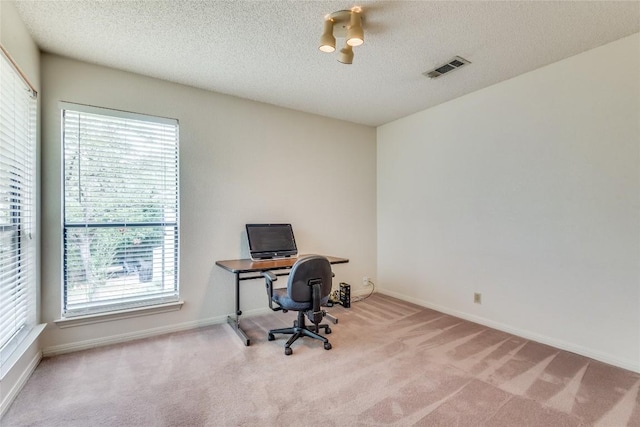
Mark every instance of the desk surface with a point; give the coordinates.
(249, 265)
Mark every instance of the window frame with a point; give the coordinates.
(21, 209)
(124, 306)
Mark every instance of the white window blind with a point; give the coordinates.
(120, 210)
(17, 210)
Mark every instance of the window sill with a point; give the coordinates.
(20, 350)
(70, 322)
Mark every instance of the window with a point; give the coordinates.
(120, 210)
(17, 208)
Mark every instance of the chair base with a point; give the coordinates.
(299, 330)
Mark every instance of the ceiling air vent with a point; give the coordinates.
(454, 64)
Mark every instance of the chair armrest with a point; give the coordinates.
(269, 278)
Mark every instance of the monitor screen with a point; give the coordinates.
(268, 241)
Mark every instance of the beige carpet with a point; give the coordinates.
(392, 363)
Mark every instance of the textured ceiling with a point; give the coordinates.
(268, 50)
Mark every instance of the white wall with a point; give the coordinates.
(241, 162)
(528, 192)
(17, 41)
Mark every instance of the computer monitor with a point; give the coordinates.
(268, 241)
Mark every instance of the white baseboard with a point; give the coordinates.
(24, 377)
(147, 333)
(130, 336)
(631, 365)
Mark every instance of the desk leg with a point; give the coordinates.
(234, 322)
(333, 320)
(236, 327)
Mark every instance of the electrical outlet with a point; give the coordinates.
(477, 298)
(365, 281)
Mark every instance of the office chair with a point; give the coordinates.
(308, 287)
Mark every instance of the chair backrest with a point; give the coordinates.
(309, 268)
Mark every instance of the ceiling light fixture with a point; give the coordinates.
(328, 41)
(345, 24)
(346, 54)
(355, 34)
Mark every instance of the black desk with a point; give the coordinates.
(241, 267)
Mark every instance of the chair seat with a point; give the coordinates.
(281, 297)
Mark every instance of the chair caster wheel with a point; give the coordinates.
(327, 331)
(327, 346)
(288, 351)
(270, 337)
